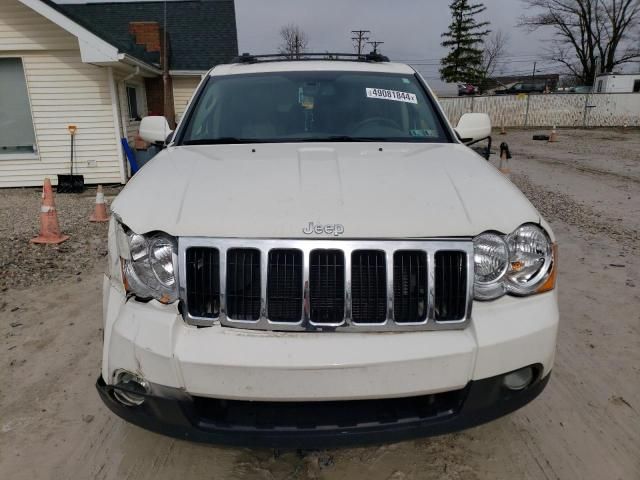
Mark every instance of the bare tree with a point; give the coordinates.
(294, 41)
(495, 48)
(591, 36)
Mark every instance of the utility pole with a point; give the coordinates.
(595, 74)
(533, 75)
(375, 45)
(360, 37)
(167, 93)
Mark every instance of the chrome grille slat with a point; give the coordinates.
(410, 271)
(327, 285)
(304, 323)
(448, 301)
(368, 286)
(244, 286)
(348, 285)
(284, 285)
(203, 279)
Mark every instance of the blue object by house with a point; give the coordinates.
(131, 156)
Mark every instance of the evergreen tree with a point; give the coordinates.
(464, 40)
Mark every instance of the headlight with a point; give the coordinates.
(521, 263)
(531, 258)
(491, 258)
(149, 265)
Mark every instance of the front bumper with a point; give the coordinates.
(306, 425)
(153, 341)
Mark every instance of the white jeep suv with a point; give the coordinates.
(317, 259)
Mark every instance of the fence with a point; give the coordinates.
(554, 109)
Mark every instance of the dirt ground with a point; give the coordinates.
(585, 425)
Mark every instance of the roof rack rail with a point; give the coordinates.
(285, 57)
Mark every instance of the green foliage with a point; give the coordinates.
(464, 39)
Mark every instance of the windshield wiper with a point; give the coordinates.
(222, 141)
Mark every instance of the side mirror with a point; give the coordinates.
(154, 129)
(473, 127)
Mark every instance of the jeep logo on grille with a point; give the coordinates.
(334, 229)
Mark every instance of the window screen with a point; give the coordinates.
(16, 126)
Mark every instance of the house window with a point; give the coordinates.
(636, 86)
(132, 99)
(16, 126)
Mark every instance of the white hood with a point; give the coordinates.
(403, 191)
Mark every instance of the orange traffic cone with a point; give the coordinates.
(100, 213)
(554, 135)
(49, 227)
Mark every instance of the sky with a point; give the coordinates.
(411, 29)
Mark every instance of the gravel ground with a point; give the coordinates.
(24, 264)
(556, 206)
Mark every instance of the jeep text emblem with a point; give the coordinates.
(334, 229)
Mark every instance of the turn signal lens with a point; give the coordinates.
(550, 282)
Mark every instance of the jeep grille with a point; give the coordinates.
(314, 285)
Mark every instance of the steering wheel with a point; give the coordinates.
(381, 121)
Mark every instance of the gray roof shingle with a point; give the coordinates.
(202, 33)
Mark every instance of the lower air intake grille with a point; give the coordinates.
(409, 286)
(368, 286)
(243, 284)
(284, 285)
(451, 285)
(326, 285)
(203, 281)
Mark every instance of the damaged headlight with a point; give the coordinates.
(522, 263)
(149, 264)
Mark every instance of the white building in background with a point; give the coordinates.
(618, 83)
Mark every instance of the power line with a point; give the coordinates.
(519, 56)
(436, 61)
(360, 37)
(427, 64)
(375, 45)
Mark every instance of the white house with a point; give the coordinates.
(98, 67)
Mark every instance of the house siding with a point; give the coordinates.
(23, 29)
(62, 91)
(183, 88)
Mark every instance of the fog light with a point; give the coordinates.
(130, 389)
(519, 380)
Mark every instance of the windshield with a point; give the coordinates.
(313, 106)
